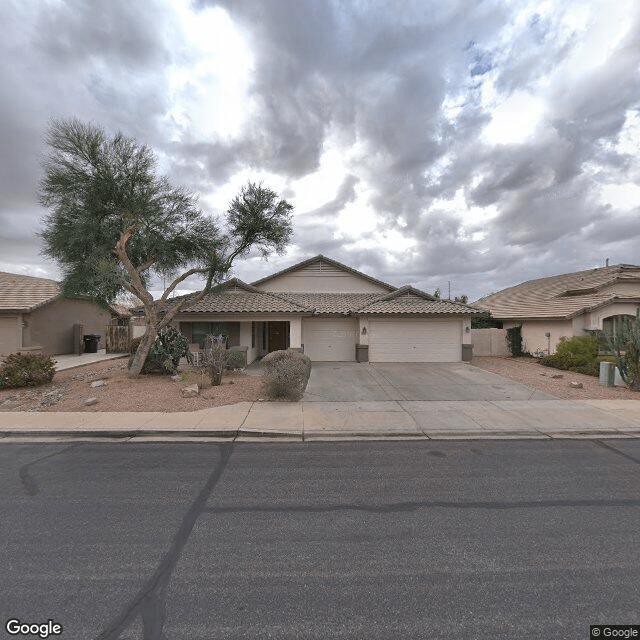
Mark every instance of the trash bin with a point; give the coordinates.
(91, 341)
(607, 373)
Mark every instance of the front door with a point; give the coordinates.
(278, 336)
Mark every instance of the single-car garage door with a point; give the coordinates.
(329, 339)
(415, 340)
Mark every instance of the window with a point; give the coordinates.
(231, 330)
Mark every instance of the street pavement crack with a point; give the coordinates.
(150, 601)
(404, 507)
(28, 481)
(617, 451)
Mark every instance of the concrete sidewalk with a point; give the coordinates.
(309, 421)
(71, 360)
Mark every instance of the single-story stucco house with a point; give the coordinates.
(333, 313)
(34, 317)
(572, 304)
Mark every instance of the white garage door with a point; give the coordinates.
(415, 340)
(330, 340)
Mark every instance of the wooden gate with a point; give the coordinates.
(118, 338)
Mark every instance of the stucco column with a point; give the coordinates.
(363, 331)
(295, 333)
(466, 331)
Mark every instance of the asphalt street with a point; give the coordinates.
(430, 539)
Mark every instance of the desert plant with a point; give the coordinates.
(165, 354)
(26, 370)
(235, 360)
(579, 354)
(625, 345)
(215, 352)
(285, 374)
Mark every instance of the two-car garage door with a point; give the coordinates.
(390, 340)
(415, 340)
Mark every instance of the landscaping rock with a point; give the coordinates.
(558, 375)
(98, 383)
(90, 401)
(177, 378)
(576, 385)
(51, 397)
(189, 392)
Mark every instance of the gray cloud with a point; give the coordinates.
(408, 82)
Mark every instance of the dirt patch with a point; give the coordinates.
(530, 372)
(71, 388)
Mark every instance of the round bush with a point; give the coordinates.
(26, 370)
(285, 374)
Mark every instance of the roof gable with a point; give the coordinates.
(408, 300)
(321, 275)
(24, 293)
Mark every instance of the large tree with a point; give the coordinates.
(114, 224)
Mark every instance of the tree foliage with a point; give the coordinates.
(115, 224)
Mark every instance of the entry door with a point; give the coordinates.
(278, 336)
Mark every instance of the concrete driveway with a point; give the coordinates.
(352, 381)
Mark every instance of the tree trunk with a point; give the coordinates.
(143, 351)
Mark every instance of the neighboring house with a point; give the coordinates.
(573, 304)
(332, 313)
(34, 317)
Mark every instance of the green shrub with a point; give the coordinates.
(26, 370)
(579, 354)
(235, 359)
(514, 342)
(285, 374)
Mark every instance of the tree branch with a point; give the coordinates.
(180, 279)
(136, 282)
(146, 265)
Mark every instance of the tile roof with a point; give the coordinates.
(25, 293)
(408, 300)
(563, 296)
(331, 302)
(236, 296)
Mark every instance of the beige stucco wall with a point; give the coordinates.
(489, 342)
(306, 281)
(623, 289)
(10, 334)
(51, 326)
(533, 333)
(595, 318)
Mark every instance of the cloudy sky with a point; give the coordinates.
(473, 143)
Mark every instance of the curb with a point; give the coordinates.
(316, 436)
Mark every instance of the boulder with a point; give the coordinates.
(98, 383)
(576, 385)
(189, 392)
(90, 401)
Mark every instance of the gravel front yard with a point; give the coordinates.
(530, 372)
(70, 388)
